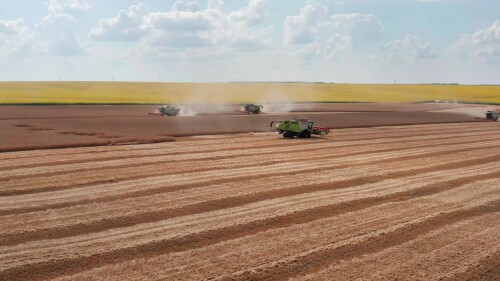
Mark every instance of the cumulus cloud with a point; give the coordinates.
(60, 6)
(360, 27)
(187, 26)
(215, 4)
(12, 27)
(59, 10)
(127, 26)
(407, 50)
(182, 21)
(67, 45)
(186, 6)
(318, 33)
(13, 37)
(483, 46)
(256, 12)
(301, 29)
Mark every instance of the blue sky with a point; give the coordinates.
(357, 41)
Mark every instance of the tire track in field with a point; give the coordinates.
(225, 151)
(133, 218)
(177, 182)
(303, 264)
(26, 186)
(327, 255)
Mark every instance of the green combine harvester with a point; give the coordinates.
(167, 110)
(251, 108)
(301, 128)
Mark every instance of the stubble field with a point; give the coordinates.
(418, 202)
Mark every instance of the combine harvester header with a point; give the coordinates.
(302, 128)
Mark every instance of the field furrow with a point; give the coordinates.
(403, 219)
(91, 218)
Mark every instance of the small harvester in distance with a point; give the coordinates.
(251, 108)
(301, 128)
(167, 110)
(492, 115)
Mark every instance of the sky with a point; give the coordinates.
(340, 41)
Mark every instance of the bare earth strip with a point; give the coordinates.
(408, 202)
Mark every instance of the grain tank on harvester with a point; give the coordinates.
(302, 128)
(167, 110)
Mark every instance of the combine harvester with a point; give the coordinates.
(251, 108)
(492, 115)
(302, 128)
(167, 110)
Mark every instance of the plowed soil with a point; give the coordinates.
(412, 202)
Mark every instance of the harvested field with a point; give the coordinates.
(42, 127)
(407, 202)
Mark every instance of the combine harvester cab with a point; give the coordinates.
(301, 128)
(167, 110)
(251, 108)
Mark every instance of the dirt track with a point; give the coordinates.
(415, 202)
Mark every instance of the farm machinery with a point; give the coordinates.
(167, 110)
(251, 108)
(302, 128)
(492, 115)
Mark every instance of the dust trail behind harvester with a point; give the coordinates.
(198, 102)
(276, 101)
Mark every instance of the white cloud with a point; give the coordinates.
(324, 35)
(127, 26)
(13, 37)
(186, 6)
(215, 4)
(67, 45)
(12, 27)
(256, 12)
(360, 27)
(58, 10)
(483, 46)
(407, 50)
(423, 52)
(184, 21)
(60, 6)
(188, 28)
(301, 29)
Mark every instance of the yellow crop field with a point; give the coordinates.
(233, 93)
